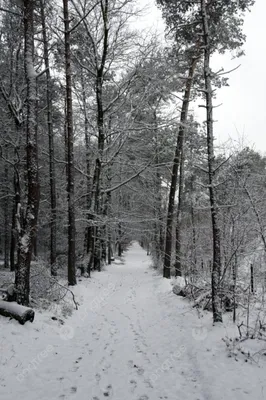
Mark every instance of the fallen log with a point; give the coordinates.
(201, 297)
(13, 310)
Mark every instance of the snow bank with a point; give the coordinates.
(180, 281)
(164, 286)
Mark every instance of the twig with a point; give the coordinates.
(59, 284)
(10, 12)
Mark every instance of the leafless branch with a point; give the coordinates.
(11, 12)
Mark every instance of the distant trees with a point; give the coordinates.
(209, 25)
(177, 166)
(96, 114)
(120, 154)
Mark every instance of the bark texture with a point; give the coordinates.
(27, 221)
(178, 266)
(70, 152)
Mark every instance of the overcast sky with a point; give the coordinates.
(242, 117)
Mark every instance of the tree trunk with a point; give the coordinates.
(27, 224)
(251, 278)
(100, 125)
(178, 266)
(193, 225)
(6, 217)
(97, 250)
(120, 251)
(108, 227)
(216, 267)
(88, 230)
(70, 153)
(176, 163)
(109, 247)
(158, 234)
(98, 162)
(53, 217)
(14, 231)
(13, 238)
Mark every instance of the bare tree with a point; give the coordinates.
(49, 106)
(216, 269)
(175, 168)
(70, 152)
(27, 223)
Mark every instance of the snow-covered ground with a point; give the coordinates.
(131, 339)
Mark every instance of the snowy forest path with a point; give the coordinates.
(131, 339)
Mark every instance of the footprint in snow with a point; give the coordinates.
(75, 366)
(140, 371)
(108, 391)
(113, 331)
(149, 384)
(134, 385)
(144, 397)
(73, 389)
(106, 346)
(106, 368)
(98, 377)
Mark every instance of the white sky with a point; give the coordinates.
(242, 116)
